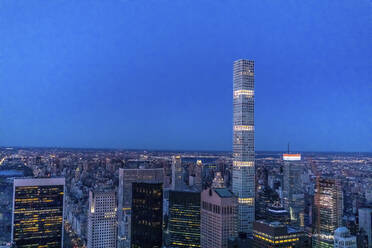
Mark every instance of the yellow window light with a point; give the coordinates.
(243, 164)
(243, 128)
(247, 93)
(248, 201)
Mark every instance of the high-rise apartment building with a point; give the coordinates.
(147, 215)
(365, 223)
(177, 172)
(218, 217)
(102, 218)
(184, 219)
(328, 202)
(126, 178)
(243, 178)
(343, 238)
(38, 212)
(293, 195)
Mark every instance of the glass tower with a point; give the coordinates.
(243, 181)
(147, 215)
(126, 178)
(38, 212)
(184, 219)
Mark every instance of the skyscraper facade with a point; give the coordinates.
(243, 178)
(177, 171)
(365, 223)
(102, 228)
(126, 178)
(293, 195)
(38, 212)
(329, 211)
(184, 219)
(218, 217)
(147, 215)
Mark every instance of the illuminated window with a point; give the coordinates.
(247, 93)
(248, 201)
(245, 164)
(243, 128)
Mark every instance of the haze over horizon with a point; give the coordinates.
(158, 74)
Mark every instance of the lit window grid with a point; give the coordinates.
(38, 215)
(184, 219)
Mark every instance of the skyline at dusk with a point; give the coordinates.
(158, 74)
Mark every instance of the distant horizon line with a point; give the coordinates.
(166, 150)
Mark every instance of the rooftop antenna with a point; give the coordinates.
(288, 147)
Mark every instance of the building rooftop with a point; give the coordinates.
(224, 193)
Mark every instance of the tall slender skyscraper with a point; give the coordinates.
(243, 180)
(38, 212)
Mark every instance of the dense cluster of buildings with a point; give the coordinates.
(140, 199)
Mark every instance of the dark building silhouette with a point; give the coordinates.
(184, 219)
(147, 215)
(265, 198)
(276, 212)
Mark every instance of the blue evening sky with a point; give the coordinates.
(157, 74)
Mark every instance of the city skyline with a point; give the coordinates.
(186, 124)
(91, 85)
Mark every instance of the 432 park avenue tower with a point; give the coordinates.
(243, 182)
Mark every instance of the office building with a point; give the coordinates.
(177, 174)
(267, 234)
(147, 215)
(218, 217)
(126, 178)
(343, 238)
(184, 219)
(38, 212)
(243, 178)
(275, 234)
(328, 202)
(102, 227)
(293, 195)
(365, 223)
